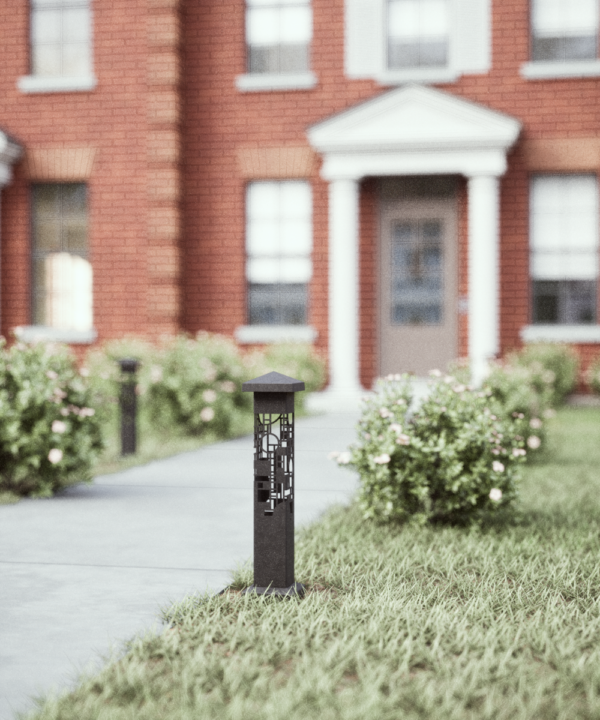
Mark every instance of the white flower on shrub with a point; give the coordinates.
(58, 426)
(403, 439)
(535, 423)
(52, 375)
(497, 466)
(519, 452)
(396, 428)
(435, 373)
(55, 455)
(495, 451)
(367, 436)
(64, 411)
(459, 388)
(87, 412)
(496, 494)
(84, 372)
(228, 386)
(548, 377)
(209, 396)
(533, 442)
(156, 373)
(207, 414)
(382, 459)
(549, 413)
(385, 413)
(58, 393)
(344, 458)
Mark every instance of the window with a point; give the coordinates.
(278, 246)
(278, 35)
(564, 30)
(564, 249)
(417, 33)
(62, 274)
(60, 38)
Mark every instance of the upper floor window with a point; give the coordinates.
(62, 273)
(278, 251)
(417, 33)
(564, 30)
(278, 35)
(60, 38)
(564, 249)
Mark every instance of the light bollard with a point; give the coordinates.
(274, 484)
(128, 404)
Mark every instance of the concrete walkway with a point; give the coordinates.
(86, 570)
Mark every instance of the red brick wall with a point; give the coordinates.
(216, 121)
(111, 118)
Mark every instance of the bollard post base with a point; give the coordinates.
(295, 590)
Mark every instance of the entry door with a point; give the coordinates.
(418, 284)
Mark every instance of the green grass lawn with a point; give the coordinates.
(399, 622)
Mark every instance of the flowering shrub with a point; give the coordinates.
(453, 460)
(513, 388)
(195, 384)
(554, 369)
(593, 375)
(49, 430)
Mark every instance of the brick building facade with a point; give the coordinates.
(401, 182)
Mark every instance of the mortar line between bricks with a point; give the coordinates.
(113, 567)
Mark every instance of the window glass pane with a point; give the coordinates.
(296, 236)
(59, 3)
(295, 270)
(263, 26)
(263, 200)
(434, 18)
(76, 60)
(296, 25)
(46, 60)
(263, 270)
(293, 59)
(262, 237)
(403, 19)
(45, 26)
(580, 16)
(76, 25)
(296, 200)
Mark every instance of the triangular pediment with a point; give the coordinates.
(414, 118)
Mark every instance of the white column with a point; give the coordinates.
(343, 292)
(484, 269)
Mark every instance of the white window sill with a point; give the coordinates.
(270, 334)
(46, 84)
(41, 333)
(557, 70)
(272, 81)
(561, 333)
(418, 75)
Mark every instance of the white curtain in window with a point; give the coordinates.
(565, 17)
(68, 292)
(278, 22)
(564, 227)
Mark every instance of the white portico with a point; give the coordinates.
(410, 131)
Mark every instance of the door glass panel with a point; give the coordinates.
(417, 273)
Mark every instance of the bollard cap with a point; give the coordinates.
(128, 365)
(273, 382)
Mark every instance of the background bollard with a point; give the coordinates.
(128, 403)
(274, 484)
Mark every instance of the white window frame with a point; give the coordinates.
(558, 69)
(563, 332)
(276, 81)
(272, 333)
(33, 83)
(36, 332)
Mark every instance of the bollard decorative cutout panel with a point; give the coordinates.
(128, 404)
(274, 484)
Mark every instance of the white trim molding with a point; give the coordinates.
(48, 84)
(423, 75)
(559, 70)
(270, 334)
(41, 333)
(561, 333)
(271, 82)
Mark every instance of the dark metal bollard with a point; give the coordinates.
(128, 403)
(274, 484)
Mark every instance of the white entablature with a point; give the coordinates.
(414, 130)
